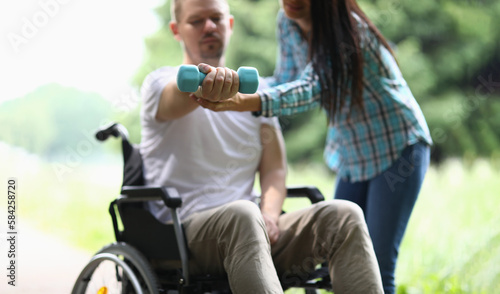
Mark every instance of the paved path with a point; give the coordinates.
(44, 263)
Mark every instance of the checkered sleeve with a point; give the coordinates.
(293, 90)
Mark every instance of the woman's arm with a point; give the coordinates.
(285, 70)
(285, 99)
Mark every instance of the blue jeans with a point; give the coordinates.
(387, 201)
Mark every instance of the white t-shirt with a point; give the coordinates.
(209, 157)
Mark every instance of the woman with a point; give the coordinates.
(331, 55)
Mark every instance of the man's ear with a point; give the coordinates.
(175, 30)
(231, 21)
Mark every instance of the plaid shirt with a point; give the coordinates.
(362, 146)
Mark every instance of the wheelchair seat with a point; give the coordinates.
(132, 263)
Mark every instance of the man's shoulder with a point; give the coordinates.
(158, 78)
(162, 72)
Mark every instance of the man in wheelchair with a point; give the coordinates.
(212, 158)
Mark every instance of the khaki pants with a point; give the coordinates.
(232, 239)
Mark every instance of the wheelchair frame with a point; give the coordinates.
(135, 250)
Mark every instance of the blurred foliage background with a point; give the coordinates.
(448, 51)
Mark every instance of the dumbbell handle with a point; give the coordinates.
(189, 78)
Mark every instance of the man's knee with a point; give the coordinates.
(340, 209)
(353, 209)
(242, 208)
(243, 214)
(339, 218)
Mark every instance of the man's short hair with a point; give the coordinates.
(175, 8)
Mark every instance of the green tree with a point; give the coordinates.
(449, 54)
(54, 121)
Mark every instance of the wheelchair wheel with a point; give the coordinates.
(117, 268)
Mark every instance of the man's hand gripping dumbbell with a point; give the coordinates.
(217, 83)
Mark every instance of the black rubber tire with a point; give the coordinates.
(133, 258)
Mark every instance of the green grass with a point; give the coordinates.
(452, 244)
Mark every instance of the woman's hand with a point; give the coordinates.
(239, 102)
(219, 91)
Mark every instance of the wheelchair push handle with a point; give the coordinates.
(114, 129)
(189, 78)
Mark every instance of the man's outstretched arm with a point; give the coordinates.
(219, 83)
(173, 103)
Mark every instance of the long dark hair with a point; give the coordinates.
(335, 51)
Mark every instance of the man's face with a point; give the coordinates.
(204, 27)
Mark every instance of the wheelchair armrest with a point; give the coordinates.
(169, 195)
(310, 192)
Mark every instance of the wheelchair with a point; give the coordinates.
(130, 265)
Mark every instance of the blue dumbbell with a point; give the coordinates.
(189, 78)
